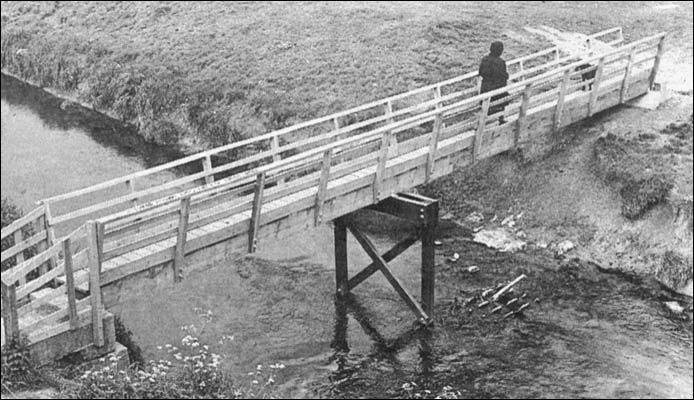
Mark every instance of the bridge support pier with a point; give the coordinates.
(419, 209)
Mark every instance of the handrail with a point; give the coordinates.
(23, 221)
(247, 175)
(270, 135)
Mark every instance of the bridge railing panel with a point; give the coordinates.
(252, 190)
(17, 291)
(247, 154)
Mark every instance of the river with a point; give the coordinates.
(586, 332)
(50, 147)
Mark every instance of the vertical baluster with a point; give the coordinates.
(656, 63)
(94, 255)
(70, 283)
(207, 167)
(434, 138)
(476, 145)
(19, 258)
(9, 298)
(596, 87)
(181, 238)
(322, 186)
(255, 213)
(130, 183)
(521, 125)
(627, 74)
(559, 109)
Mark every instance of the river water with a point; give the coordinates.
(585, 333)
(49, 148)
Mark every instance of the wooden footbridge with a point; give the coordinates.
(77, 244)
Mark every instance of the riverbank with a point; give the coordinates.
(202, 75)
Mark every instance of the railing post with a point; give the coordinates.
(560, 100)
(656, 63)
(627, 74)
(434, 139)
(45, 222)
(596, 87)
(522, 113)
(381, 166)
(179, 258)
(19, 257)
(130, 184)
(336, 123)
(70, 283)
(94, 255)
(393, 138)
(322, 186)
(275, 145)
(476, 145)
(255, 213)
(207, 167)
(9, 298)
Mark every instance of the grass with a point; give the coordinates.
(642, 180)
(204, 74)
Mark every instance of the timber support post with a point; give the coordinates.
(415, 208)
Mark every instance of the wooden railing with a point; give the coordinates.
(27, 235)
(74, 252)
(128, 191)
(309, 164)
(313, 168)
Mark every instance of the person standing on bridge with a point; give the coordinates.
(494, 76)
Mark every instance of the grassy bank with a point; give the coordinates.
(203, 75)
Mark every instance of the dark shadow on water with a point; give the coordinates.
(58, 114)
(384, 349)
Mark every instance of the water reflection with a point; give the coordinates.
(57, 114)
(383, 349)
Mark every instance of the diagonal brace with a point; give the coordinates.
(383, 266)
(387, 257)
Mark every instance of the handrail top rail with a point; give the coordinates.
(22, 222)
(460, 104)
(282, 131)
(244, 176)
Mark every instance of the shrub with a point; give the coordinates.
(17, 372)
(191, 371)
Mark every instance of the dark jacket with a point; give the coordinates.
(493, 73)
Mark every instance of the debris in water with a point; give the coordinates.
(494, 219)
(473, 269)
(454, 257)
(564, 247)
(524, 295)
(500, 239)
(437, 243)
(537, 299)
(674, 306)
(507, 287)
(474, 218)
